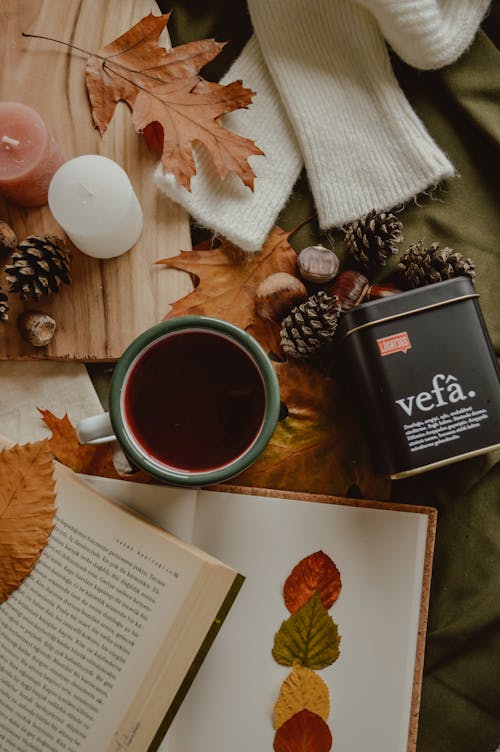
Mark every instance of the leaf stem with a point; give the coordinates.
(58, 41)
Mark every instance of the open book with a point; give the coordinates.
(100, 643)
(384, 554)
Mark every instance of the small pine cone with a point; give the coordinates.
(4, 306)
(310, 325)
(423, 266)
(373, 238)
(38, 266)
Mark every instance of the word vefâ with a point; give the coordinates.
(445, 390)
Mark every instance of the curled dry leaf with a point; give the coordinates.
(308, 637)
(27, 509)
(303, 732)
(316, 573)
(83, 458)
(303, 689)
(169, 101)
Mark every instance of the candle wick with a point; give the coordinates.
(87, 190)
(9, 141)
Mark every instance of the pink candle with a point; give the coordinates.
(29, 156)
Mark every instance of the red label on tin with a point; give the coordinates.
(399, 342)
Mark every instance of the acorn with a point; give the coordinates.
(8, 239)
(317, 264)
(278, 294)
(351, 288)
(375, 292)
(36, 327)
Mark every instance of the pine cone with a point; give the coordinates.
(4, 306)
(373, 238)
(423, 266)
(310, 325)
(38, 266)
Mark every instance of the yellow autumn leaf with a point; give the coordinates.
(303, 689)
(27, 508)
(308, 637)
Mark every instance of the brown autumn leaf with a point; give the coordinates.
(162, 87)
(96, 459)
(303, 732)
(316, 573)
(302, 689)
(225, 278)
(27, 509)
(319, 447)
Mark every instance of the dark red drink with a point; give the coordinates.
(194, 401)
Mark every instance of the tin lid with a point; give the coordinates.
(406, 303)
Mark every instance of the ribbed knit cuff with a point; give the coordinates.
(227, 206)
(363, 146)
(428, 33)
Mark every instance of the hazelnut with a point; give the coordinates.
(8, 239)
(317, 264)
(36, 327)
(350, 287)
(278, 294)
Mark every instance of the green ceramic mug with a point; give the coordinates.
(193, 401)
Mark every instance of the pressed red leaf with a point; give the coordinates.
(303, 732)
(316, 573)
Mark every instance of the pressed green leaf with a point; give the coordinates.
(308, 637)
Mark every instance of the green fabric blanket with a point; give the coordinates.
(460, 710)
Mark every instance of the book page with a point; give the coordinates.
(79, 635)
(380, 555)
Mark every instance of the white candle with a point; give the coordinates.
(93, 200)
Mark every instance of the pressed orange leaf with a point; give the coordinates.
(169, 101)
(308, 637)
(83, 458)
(302, 689)
(316, 573)
(303, 732)
(27, 509)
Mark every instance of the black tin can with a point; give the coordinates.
(426, 377)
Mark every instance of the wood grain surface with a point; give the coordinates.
(110, 302)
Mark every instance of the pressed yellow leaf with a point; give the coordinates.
(303, 689)
(27, 508)
(308, 637)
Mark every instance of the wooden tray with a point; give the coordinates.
(110, 302)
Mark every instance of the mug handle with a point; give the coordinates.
(95, 430)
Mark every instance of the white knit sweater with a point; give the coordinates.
(326, 97)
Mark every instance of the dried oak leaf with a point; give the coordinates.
(303, 732)
(90, 459)
(162, 87)
(225, 280)
(27, 509)
(303, 689)
(316, 573)
(308, 637)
